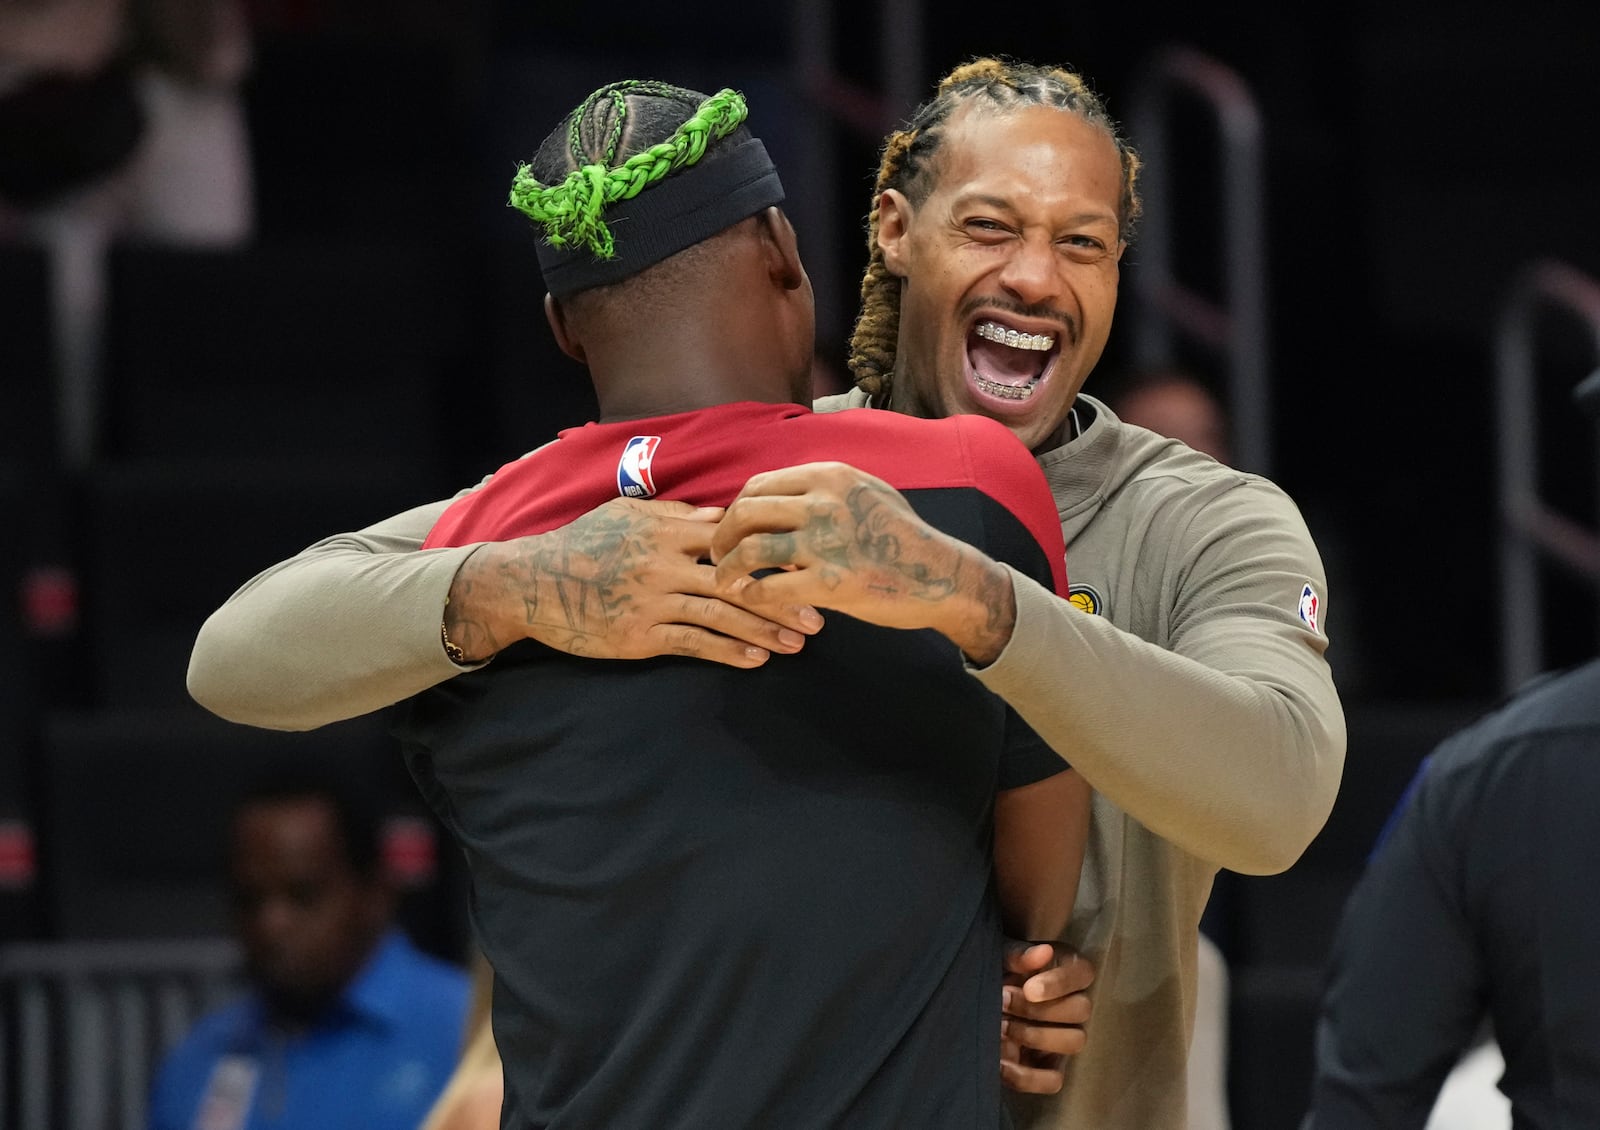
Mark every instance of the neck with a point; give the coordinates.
(694, 371)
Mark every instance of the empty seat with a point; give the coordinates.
(383, 151)
(20, 705)
(165, 543)
(27, 372)
(306, 351)
(135, 807)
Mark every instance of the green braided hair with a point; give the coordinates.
(910, 163)
(572, 210)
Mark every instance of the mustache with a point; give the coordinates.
(976, 306)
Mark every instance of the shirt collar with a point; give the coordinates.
(376, 995)
(378, 990)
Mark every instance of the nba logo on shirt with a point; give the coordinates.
(1308, 606)
(226, 1102)
(633, 469)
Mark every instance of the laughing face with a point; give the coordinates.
(1008, 268)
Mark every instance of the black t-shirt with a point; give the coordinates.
(725, 898)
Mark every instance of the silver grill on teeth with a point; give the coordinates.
(1005, 392)
(1015, 340)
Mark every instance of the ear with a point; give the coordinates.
(894, 226)
(565, 338)
(783, 249)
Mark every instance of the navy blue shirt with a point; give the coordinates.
(376, 1060)
(1480, 902)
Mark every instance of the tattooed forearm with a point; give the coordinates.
(565, 588)
(916, 561)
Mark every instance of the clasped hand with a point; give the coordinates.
(832, 536)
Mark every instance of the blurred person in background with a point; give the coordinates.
(1478, 904)
(1471, 943)
(1175, 404)
(345, 1025)
(118, 119)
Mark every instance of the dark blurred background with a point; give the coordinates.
(370, 336)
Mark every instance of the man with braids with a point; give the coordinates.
(670, 858)
(1194, 695)
(1186, 678)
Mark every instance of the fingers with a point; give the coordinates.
(1048, 1039)
(795, 588)
(1032, 1080)
(761, 530)
(1028, 957)
(1033, 1054)
(670, 508)
(697, 643)
(1071, 974)
(803, 478)
(682, 591)
(709, 628)
(1074, 1008)
(790, 500)
(791, 617)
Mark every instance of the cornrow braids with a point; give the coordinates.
(587, 174)
(908, 158)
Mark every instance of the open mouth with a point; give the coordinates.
(1007, 365)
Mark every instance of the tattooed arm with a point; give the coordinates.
(351, 624)
(621, 582)
(851, 542)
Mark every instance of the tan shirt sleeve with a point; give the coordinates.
(1228, 742)
(346, 626)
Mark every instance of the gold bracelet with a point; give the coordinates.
(452, 650)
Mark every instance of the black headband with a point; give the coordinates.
(691, 205)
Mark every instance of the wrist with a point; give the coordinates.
(985, 612)
(452, 650)
(472, 625)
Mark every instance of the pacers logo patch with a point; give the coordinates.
(1085, 599)
(1309, 606)
(633, 469)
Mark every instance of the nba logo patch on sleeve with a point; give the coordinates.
(634, 479)
(1308, 606)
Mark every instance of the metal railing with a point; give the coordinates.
(83, 1024)
(1528, 526)
(831, 99)
(1236, 327)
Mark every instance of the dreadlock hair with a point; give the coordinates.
(907, 165)
(619, 141)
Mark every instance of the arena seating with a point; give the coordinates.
(294, 351)
(134, 808)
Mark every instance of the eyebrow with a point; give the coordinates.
(1005, 205)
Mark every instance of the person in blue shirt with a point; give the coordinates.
(345, 1024)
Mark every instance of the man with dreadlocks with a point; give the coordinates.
(668, 856)
(1186, 678)
(1201, 707)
